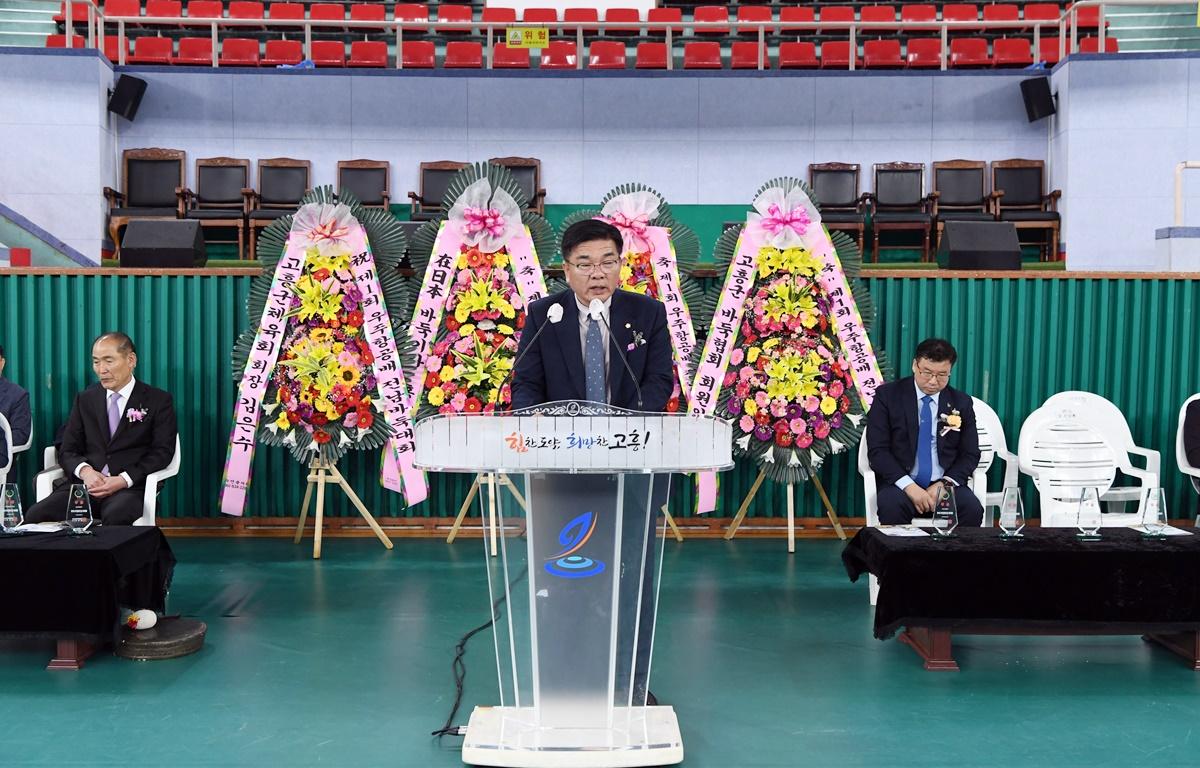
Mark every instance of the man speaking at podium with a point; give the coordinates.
(597, 343)
(584, 357)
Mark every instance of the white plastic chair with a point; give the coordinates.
(44, 483)
(10, 450)
(991, 445)
(1105, 417)
(1064, 453)
(1180, 456)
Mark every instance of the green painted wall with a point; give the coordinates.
(1134, 341)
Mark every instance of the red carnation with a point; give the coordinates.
(365, 419)
(431, 380)
(321, 436)
(355, 318)
(321, 275)
(763, 418)
(520, 321)
(783, 439)
(319, 419)
(844, 404)
(473, 405)
(293, 417)
(781, 426)
(451, 323)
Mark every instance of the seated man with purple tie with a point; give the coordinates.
(921, 436)
(119, 431)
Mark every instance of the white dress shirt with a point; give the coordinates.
(122, 401)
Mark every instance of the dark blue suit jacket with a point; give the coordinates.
(14, 404)
(551, 368)
(892, 433)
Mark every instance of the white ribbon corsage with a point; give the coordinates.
(951, 422)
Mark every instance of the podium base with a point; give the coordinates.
(508, 737)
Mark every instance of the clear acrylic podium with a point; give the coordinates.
(574, 602)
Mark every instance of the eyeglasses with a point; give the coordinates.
(931, 376)
(587, 268)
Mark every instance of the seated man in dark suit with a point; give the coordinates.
(575, 359)
(118, 432)
(14, 406)
(921, 436)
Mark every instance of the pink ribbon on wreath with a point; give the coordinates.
(634, 230)
(776, 220)
(483, 220)
(328, 231)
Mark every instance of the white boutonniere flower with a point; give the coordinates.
(951, 422)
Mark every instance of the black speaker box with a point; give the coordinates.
(1038, 101)
(162, 243)
(979, 245)
(127, 96)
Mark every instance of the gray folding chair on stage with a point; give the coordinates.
(51, 471)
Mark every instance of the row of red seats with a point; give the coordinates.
(602, 54)
(626, 20)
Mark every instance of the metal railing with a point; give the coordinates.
(1067, 21)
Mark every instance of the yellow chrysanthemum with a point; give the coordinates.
(437, 396)
(500, 260)
(282, 422)
(466, 330)
(446, 374)
(750, 407)
(462, 261)
(828, 405)
(752, 354)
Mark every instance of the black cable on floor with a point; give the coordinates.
(460, 668)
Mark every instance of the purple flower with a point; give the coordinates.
(794, 411)
(352, 292)
(836, 420)
(348, 303)
(764, 432)
(734, 406)
(369, 382)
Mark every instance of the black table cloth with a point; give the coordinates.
(55, 583)
(1048, 579)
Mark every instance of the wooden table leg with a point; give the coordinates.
(1185, 644)
(932, 645)
(70, 654)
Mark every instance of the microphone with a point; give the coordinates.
(596, 311)
(554, 314)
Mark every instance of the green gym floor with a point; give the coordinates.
(767, 658)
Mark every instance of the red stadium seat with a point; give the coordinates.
(884, 14)
(651, 56)
(463, 55)
(1012, 52)
(1088, 17)
(79, 12)
(112, 48)
(580, 16)
(1048, 50)
(151, 50)
(746, 55)
(245, 9)
(754, 13)
(969, 52)
(838, 13)
(802, 55)
(796, 14)
(367, 12)
(562, 54)
(327, 12)
(918, 12)
(547, 16)
(418, 54)
(168, 9)
(368, 53)
(205, 9)
(196, 51)
(60, 41)
(604, 54)
(239, 52)
(658, 19)
(924, 53)
(836, 55)
(1092, 45)
(121, 8)
(1041, 12)
(705, 55)
(711, 13)
(499, 18)
(411, 12)
(962, 12)
(329, 53)
(277, 52)
(1001, 12)
(285, 11)
(504, 57)
(882, 54)
(626, 21)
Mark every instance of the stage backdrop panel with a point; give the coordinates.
(1134, 341)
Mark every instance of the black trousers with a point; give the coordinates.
(895, 508)
(122, 508)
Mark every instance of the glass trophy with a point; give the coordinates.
(79, 510)
(1012, 514)
(10, 508)
(945, 513)
(1088, 518)
(1154, 513)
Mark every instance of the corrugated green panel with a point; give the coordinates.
(1134, 341)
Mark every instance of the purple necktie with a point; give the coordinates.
(114, 413)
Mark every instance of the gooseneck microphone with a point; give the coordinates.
(553, 314)
(596, 311)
